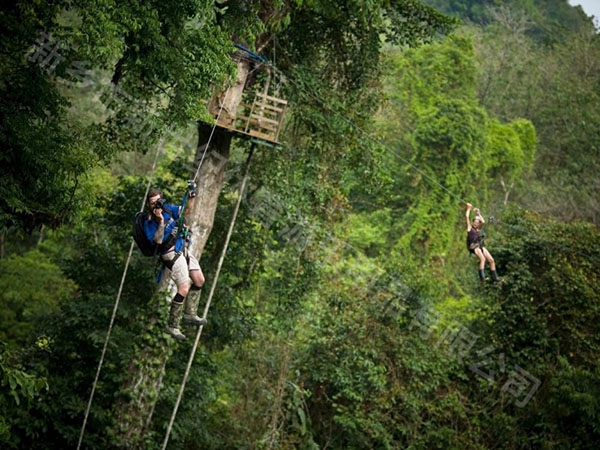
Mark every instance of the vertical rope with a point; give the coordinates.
(210, 296)
(116, 306)
(212, 132)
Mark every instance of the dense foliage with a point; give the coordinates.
(348, 314)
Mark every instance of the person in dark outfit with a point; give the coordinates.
(160, 226)
(475, 244)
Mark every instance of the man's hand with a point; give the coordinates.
(158, 213)
(192, 188)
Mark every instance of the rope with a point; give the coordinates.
(212, 132)
(116, 306)
(210, 295)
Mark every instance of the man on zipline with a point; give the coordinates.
(475, 244)
(161, 227)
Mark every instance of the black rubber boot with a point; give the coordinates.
(481, 274)
(495, 278)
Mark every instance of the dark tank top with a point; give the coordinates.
(473, 237)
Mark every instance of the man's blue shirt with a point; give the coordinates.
(170, 215)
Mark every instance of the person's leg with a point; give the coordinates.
(179, 274)
(196, 272)
(175, 317)
(481, 271)
(193, 299)
(492, 263)
(489, 258)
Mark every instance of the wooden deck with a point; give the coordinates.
(262, 119)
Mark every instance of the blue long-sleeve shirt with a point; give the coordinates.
(170, 215)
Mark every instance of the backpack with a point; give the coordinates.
(148, 248)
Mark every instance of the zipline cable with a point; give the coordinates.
(210, 296)
(116, 305)
(212, 132)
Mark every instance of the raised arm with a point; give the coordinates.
(189, 207)
(160, 231)
(478, 215)
(191, 198)
(467, 214)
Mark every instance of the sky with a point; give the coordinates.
(590, 7)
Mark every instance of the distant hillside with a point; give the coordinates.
(549, 16)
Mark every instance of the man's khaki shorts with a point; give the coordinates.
(180, 272)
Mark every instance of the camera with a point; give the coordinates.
(159, 204)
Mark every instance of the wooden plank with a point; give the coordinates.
(258, 126)
(255, 118)
(268, 114)
(271, 99)
(274, 99)
(269, 107)
(257, 122)
(268, 137)
(225, 123)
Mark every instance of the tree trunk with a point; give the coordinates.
(210, 182)
(224, 104)
(506, 190)
(212, 155)
(146, 370)
(141, 388)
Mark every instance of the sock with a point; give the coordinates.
(178, 298)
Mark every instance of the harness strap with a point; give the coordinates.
(170, 263)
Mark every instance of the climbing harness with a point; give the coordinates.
(180, 236)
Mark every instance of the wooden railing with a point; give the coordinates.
(261, 119)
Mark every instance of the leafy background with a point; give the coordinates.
(349, 316)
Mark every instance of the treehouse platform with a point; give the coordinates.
(261, 119)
